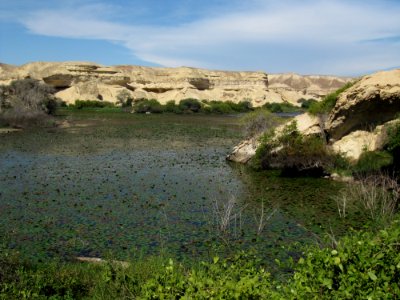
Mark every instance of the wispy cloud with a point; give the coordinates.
(311, 36)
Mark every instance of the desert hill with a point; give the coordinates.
(90, 81)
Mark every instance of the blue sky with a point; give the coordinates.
(341, 37)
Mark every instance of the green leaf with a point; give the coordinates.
(372, 275)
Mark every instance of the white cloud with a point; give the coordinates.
(315, 36)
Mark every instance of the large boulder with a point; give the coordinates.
(372, 101)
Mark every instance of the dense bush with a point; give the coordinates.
(364, 265)
(393, 134)
(294, 153)
(190, 105)
(218, 108)
(26, 102)
(79, 104)
(329, 101)
(284, 107)
(148, 106)
(228, 107)
(305, 104)
(171, 107)
(373, 161)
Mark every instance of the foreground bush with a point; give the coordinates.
(362, 265)
(27, 102)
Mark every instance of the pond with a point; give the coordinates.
(120, 184)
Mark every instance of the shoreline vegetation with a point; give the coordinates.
(360, 264)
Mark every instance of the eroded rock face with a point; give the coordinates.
(243, 152)
(89, 81)
(356, 142)
(373, 100)
(306, 124)
(310, 86)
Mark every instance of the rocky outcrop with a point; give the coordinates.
(373, 100)
(306, 124)
(243, 152)
(89, 81)
(358, 121)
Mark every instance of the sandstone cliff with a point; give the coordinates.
(373, 100)
(89, 81)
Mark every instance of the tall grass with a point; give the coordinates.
(375, 195)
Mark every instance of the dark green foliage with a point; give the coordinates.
(284, 107)
(364, 265)
(294, 153)
(328, 103)
(237, 278)
(373, 161)
(190, 105)
(228, 107)
(218, 108)
(171, 107)
(393, 133)
(242, 106)
(79, 104)
(305, 104)
(148, 106)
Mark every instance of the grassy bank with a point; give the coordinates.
(360, 265)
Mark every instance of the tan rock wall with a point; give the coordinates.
(89, 81)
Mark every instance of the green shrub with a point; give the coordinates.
(294, 153)
(329, 101)
(219, 107)
(305, 104)
(364, 265)
(284, 107)
(242, 106)
(80, 104)
(237, 278)
(373, 161)
(148, 106)
(393, 134)
(171, 107)
(190, 105)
